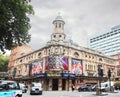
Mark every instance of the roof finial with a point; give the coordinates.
(59, 17)
(59, 14)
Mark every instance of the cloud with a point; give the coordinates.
(83, 18)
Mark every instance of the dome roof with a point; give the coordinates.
(59, 17)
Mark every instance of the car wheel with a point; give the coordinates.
(18, 96)
(84, 89)
(25, 91)
(79, 89)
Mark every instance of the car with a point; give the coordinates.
(10, 87)
(117, 86)
(36, 88)
(94, 87)
(85, 87)
(107, 86)
(104, 87)
(23, 87)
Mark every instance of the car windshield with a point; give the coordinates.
(9, 85)
(36, 85)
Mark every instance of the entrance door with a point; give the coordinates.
(63, 84)
(55, 84)
(47, 83)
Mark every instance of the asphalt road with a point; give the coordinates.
(72, 94)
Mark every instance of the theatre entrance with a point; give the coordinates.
(55, 84)
(63, 84)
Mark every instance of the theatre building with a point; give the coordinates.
(60, 63)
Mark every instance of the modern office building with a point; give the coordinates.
(60, 63)
(108, 42)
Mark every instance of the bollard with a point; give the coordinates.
(97, 91)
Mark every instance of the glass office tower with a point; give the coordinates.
(108, 42)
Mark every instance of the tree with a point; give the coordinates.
(4, 63)
(14, 23)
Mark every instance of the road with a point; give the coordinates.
(71, 94)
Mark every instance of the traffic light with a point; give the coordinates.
(100, 72)
(109, 73)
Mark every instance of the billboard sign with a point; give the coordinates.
(56, 63)
(76, 67)
(36, 68)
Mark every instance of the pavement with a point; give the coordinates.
(73, 94)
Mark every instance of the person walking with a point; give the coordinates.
(73, 87)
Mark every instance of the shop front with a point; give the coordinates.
(58, 81)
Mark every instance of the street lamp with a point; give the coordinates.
(68, 79)
(46, 80)
(109, 75)
(100, 74)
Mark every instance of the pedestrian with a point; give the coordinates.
(73, 87)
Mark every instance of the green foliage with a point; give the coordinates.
(14, 23)
(4, 63)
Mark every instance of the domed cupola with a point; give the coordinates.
(58, 34)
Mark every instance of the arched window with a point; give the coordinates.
(59, 35)
(54, 36)
(76, 54)
(39, 54)
(56, 25)
(60, 25)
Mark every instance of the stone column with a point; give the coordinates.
(60, 84)
(50, 85)
(43, 65)
(70, 84)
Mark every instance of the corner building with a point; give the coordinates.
(60, 63)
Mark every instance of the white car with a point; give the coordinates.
(36, 88)
(10, 86)
(23, 87)
(106, 86)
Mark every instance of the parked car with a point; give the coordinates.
(86, 87)
(93, 88)
(106, 86)
(9, 87)
(23, 87)
(36, 88)
(117, 86)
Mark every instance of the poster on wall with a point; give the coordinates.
(36, 68)
(56, 63)
(118, 71)
(76, 67)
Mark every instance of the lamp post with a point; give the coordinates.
(109, 75)
(100, 75)
(46, 80)
(68, 79)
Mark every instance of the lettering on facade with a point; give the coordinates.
(53, 74)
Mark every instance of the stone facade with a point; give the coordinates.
(62, 63)
(17, 52)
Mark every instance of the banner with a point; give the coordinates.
(76, 67)
(118, 71)
(57, 63)
(36, 68)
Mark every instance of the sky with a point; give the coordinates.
(83, 19)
